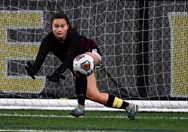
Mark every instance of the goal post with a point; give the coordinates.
(70, 104)
(143, 45)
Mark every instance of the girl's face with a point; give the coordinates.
(60, 28)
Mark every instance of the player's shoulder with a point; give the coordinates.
(48, 38)
(73, 31)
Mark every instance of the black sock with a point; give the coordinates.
(81, 87)
(115, 102)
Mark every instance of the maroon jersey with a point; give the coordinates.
(73, 45)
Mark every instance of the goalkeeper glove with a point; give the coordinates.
(28, 68)
(55, 77)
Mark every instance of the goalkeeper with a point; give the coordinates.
(66, 43)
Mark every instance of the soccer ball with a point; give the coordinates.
(83, 65)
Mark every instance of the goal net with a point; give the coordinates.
(144, 49)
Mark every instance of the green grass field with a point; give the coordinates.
(60, 120)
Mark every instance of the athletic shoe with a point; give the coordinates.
(77, 113)
(131, 111)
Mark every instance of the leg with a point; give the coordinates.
(107, 99)
(93, 92)
(104, 98)
(81, 87)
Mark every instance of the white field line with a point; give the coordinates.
(107, 117)
(22, 130)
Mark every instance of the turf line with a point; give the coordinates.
(102, 117)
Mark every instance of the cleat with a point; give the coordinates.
(77, 113)
(131, 111)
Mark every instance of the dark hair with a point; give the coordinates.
(60, 15)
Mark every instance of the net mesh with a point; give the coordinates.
(143, 44)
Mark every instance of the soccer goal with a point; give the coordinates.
(144, 47)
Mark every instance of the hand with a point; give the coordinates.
(28, 69)
(55, 77)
